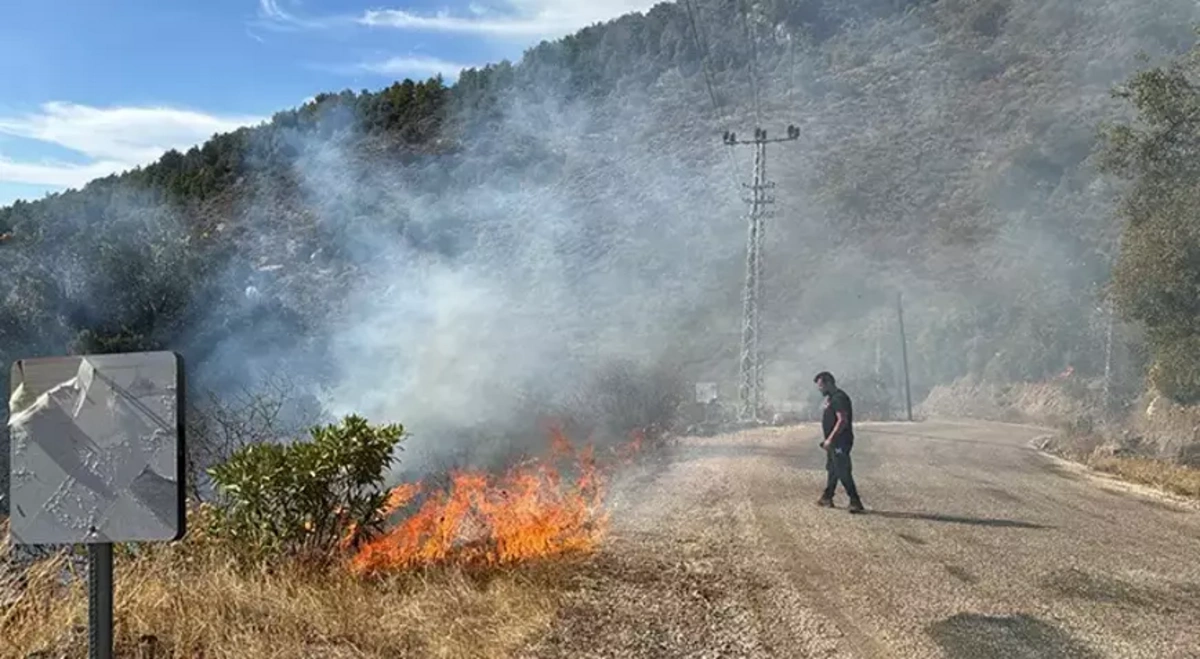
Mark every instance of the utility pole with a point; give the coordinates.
(750, 390)
(878, 329)
(904, 356)
(1108, 358)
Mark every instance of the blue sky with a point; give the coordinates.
(88, 88)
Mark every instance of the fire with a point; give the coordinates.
(627, 453)
(530, 512)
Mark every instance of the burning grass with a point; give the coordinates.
(531, 512)
(445, 579)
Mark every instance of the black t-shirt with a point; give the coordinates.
(836, 402)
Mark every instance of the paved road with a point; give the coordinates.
(974, 546)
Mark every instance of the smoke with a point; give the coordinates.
(485, 292)
(943, 155)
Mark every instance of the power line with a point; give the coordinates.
(752, 38)
(709, 79)
(702, 44)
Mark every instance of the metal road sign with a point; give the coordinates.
(97, 449)
(706, 392)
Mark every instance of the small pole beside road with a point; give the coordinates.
(904, 356)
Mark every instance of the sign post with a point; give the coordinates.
(97, 445)
(100, 601)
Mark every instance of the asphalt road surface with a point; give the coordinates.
(974, 546)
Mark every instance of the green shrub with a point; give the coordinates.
(1175, 372)
(307, 497)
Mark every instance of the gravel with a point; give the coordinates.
(974, 546)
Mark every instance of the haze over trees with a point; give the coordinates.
(456, 256)
(1156, 280)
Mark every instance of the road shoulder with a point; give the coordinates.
(1111, 482)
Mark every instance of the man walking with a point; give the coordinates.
(837, 426)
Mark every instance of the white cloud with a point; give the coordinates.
(509, 18)
(413, 65)
(273, 15)
(271, 9)
(56, 174)
(113, 139)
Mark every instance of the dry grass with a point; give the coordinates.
(198, 604)
(1093, 451)
(1176, 479)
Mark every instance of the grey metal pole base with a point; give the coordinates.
(100, 601)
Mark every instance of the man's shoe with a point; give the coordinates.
(856, 507)
(825, 502)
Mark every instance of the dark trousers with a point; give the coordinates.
(839, 468)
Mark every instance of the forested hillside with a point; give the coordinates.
(455, 256)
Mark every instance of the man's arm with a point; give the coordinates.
(837, 428)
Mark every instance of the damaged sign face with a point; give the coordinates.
(97, 449)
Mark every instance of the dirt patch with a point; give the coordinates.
(1002, 495)
(911, 539)
(962, 574)
(1078, 584)
(630, 603)
(1108, 590)
(1006, 637)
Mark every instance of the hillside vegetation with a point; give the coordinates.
(463, 257)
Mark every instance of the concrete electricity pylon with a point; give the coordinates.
(750, 390)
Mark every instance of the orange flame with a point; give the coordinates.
(627, 453)
(529, 512)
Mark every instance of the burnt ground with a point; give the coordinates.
(974, 546)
